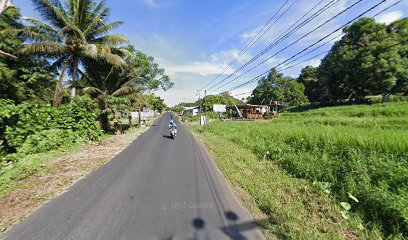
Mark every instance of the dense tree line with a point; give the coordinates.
(71, 61)
(276, 87)
(370, 59)
(28, 78)
(207, 102)
(75, 46)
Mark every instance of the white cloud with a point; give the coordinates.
(227, 56)
(242, 93)
(299, 9)
(216, 64)
(275, 61)
(198, 68)
(150, 3)
(313, 62)
(390, 17)
(173, 97)
(158, 3)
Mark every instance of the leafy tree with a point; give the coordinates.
(102, 81)
(153, 76)
(370, 59)
(29, 78)
(277, 87)
(313, 88)
(177, 108)
(76, 31)
(158, 104)
(224, 98)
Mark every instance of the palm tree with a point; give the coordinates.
(76, 31)
(102, 80)
(4, 5)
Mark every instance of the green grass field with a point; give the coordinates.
(357, 153)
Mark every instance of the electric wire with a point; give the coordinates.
(269, 47)
(249, 44)
(370, 9)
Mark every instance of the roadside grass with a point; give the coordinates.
(358, 155)
(29, 165)
(284, 206)
(37, 178)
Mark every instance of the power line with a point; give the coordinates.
(293, 43)
(280, 39)
(241, 94)
(375, 6)
(316, 48)
(306, 60)
(253, 79)
(294, 60)
(249, 44)
(385, 9)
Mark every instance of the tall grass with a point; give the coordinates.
(360, 150)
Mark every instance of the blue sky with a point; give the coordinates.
(194, 40)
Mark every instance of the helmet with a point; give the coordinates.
(171, 121)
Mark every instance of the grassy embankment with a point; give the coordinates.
(316, 174)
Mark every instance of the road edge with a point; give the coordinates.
(241, 196)
(37, 201)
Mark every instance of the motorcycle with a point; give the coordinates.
(173, 133)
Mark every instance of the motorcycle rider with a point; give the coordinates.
(172, 125)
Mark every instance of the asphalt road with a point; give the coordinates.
(157, 188)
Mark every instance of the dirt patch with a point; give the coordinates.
(60, 173)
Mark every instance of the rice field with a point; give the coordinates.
(358, 154)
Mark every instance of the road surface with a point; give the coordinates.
(157, 188)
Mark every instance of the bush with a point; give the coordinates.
(18, 122)
(47, 140)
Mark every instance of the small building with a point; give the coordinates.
(276, 107)
(250, 111)
(193, 111)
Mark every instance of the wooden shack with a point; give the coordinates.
(250, 111)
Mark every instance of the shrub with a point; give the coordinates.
(18, 122)
(47, 140)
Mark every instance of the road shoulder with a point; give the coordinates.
(283, 206)
(57, 175)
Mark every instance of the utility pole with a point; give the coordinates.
(199, 98)
(206, 102)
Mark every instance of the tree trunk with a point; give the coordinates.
(57, 98)
(74, 77)
(140, 117)
(73, 91)
(104, 118)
